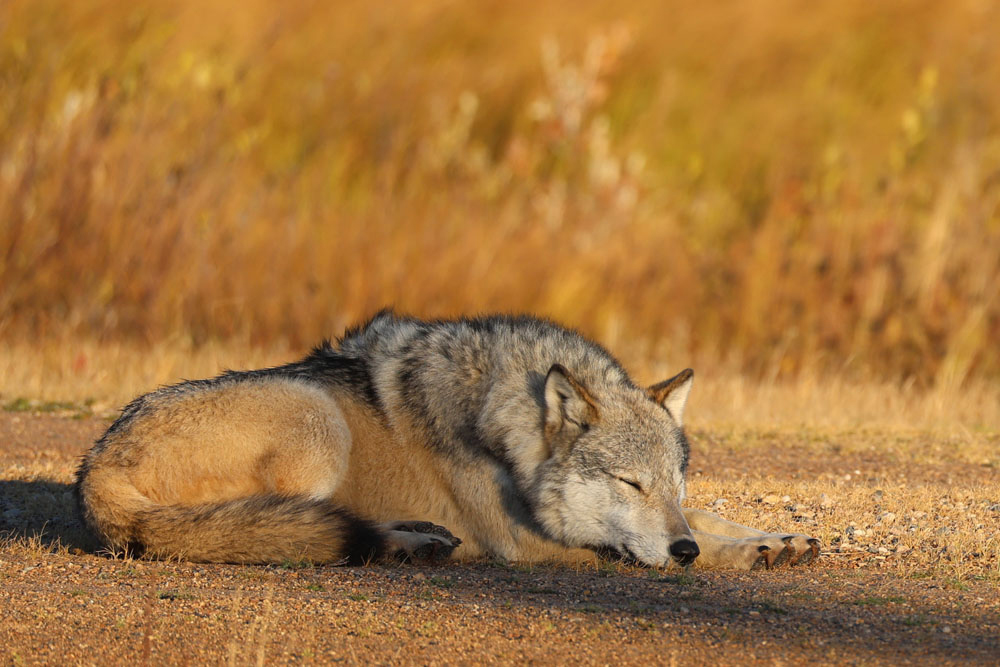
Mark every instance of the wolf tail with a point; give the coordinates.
(256, 529)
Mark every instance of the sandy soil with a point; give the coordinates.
(61, 601)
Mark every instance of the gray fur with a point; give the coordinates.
(538, 439)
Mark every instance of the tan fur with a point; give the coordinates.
(301, 463)
(281, 437)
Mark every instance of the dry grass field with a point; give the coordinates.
(774, 186)
(799, 200)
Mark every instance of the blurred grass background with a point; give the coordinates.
(778, 188)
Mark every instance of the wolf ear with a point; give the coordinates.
(569, 409)
(673, 394)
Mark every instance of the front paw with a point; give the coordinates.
(776, 550)
(420, 541)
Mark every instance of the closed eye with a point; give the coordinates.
(631, 482)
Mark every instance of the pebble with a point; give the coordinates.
(887, 517)
(719, 502)
(771, 499)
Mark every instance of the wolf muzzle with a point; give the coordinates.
(684, 551)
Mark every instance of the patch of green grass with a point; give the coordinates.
(22, 404)
(956, 584)
(915, 620)
(289, 564)
(358, 597)
(591, 609)
(18, 405)
(425, 593)
(77, 592)
(682, 579)
(607, 568)
(441, 582)
(315, 587)
(636, 608)
(646, 624)
(878, 601)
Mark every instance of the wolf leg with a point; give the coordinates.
(730, 544)
(419, 540)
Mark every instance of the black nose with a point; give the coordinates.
(684, 551)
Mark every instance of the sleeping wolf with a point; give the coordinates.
(526, 440)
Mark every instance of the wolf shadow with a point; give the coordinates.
(42, 513)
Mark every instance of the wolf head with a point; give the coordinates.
(611, 470)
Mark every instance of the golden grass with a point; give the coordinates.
(106, 376)
(781, 189)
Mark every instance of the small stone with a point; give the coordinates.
(771, 499)
(887, 517)
(719, 502)
(785, 499)
(754, 612)
(946, 630)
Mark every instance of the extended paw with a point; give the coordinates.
(419, 540)
(776, 550)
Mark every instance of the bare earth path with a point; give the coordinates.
(889, 590)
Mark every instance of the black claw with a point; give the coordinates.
(783, 557)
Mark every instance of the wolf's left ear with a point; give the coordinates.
(673, 394)
(569, 409)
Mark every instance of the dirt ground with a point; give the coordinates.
(886, 591)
